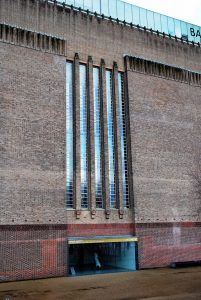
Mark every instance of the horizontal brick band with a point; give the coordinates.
(30, 39)
(31, 232)
(33, 226)
(99, 229)
(168, 224)
(154, 68)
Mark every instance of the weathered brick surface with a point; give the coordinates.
(165, 137)
(29, 252)
(165, 243)
(32, 136)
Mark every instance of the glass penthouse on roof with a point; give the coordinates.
(129, 13)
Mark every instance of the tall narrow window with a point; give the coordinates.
(110, 132)
(124, 160)
(83, 138)
(69, 135)
(97, 139)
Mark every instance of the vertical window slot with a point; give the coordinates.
(69, 135)
(83, 138)
(97, 139)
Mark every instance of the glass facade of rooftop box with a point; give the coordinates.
(129, 13)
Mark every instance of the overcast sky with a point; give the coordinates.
(186, 10)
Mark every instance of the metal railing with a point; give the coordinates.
(137, 16)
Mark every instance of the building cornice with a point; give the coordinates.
(121, 22)
(158, 69)
(30, 39)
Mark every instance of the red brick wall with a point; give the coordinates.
(160, 244)
(29, 252)
(40, 251)
(99, 229)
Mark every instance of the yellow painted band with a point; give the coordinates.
(104, 240)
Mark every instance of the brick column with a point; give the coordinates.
(117, 137)
(104, 138)
(76, 134)
(90, 130)
(128, 135)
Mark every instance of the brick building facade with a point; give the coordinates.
(153, 82)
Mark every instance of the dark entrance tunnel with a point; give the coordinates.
(97, 258)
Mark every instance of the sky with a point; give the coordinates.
(186, 10)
